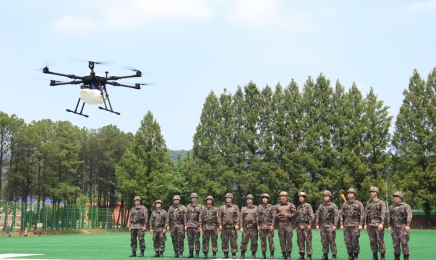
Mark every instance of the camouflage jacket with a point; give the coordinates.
(228, 216)
(159, 220)
(266, 216)
(177, 216)
(352, 214)
(400, 215)
(193, 215)
(375, 213)
(305, 216)
(249, 217)
(138, 217)
(209, 218)
(285, 208)
(327, 215)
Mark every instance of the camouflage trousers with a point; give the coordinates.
(351, 239)
(376, 239)
(400, 236)
(210, 235)
(249, 234)
(328, 238)
(285, 235)
(159, 239)
(229, 234)
(304, 237)
(267, 234)
(178, 238)
(193, 238)
(137, 233)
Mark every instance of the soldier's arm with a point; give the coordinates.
(341, 218)
(409, 216)
(240, 220)
(237, 216)
(185, 216)
(145, 218)
(167, 219)
(293, 211)
(335, 211)
(257, 215)
(362, 214)
(311, 215)
(317, 216)
(274, 216)
(200, 221)
(219, 217)
(383, 213)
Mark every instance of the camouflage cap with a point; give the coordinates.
(176, 197)
(158, 201)
(194, 195)
(229, 195)
(283, 193)
(374, 189)
(249, 196)
(209, 198)
(265, 195)
(302, 194)
(327, 193)
(351, 190)
(399, 194)
(137, 198)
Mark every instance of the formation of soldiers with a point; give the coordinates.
(259, 221)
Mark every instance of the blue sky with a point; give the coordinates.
(188, 48)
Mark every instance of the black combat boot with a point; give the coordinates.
(205, 256)
(301, 257)
(356, 256)
(226, 255)
(324, 257)
(397, 256)
(272, 255)
(309, 257)
(157, 254)
(242, 254)
(214, 255)
(288, 255)
(284, 255)
(180, 253)
(197, 253)
(176, 254)
(253, 254)
(382, 257)
(161, 254)
(263, 255)
(333, 257)
(142, 253)
(191, 254)
(406, 257)
(374, 256)
(350, 256)
(133, 254)
(233, 255)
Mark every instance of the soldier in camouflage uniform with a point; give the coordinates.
(193, 228)
(352, 217)
(249, 219)
(374, 223)
(285, 211)
(326, 220)
(159, 223)
(303, 225)
(177, 216)
(400, 218)
(266, 225)
(209, 227)
(138, 224)
(228, 220)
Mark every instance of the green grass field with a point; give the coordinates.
(117, 246)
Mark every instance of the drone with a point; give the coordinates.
(93, 87)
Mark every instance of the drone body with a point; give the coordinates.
(93, 87)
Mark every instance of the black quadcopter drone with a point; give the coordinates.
(93, 87)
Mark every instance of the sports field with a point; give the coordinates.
(117, 246)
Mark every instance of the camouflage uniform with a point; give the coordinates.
(326, 218)
(249, 219)
(192, 217)
(138, 220)
(352, 215)
(159, 221)
(285, 225)
(266, 220)
(400, 217)
(375, 215)
(228, 218)
(177, 216)
(209, 225)
(304, 218)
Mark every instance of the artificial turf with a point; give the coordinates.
(117, 246)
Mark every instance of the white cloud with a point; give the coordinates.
(75, 25)
(427, 5)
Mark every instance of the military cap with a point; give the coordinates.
(194, 195)
(249, 196)
(302, 194)
(137, 198)
(399, 194)
(209, 198)
(327, 193)
(229, 195)
(158, 201)
(351, 190)
(283, 193)
(265, 195)
(176, 197)
(374, 189)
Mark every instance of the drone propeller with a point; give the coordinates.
(76, 59)
(46, 65)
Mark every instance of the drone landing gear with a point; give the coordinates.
(109, 110)
(81, 110)
(108, 100)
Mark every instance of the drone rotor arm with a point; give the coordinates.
(71, 76)
(137, 75)
(57, 83)
(114, 83)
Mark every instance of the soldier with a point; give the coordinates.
(285, 211)
(177, 216)
(249, 219)
(209, 227)
(352, 217)
(228, 220)
(374, 223)
(326, 220)
(266, 225)
(159, 223)
(303, 225)
(400, 219)
(193, 228)
(138, 224)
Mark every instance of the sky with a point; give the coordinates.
(189, 48)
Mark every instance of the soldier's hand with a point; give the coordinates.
(130, 229)
(342, 227)
(258, 228)
(144, 228)
(271, 228)
(168, 229)
(236, 227)
(380, 227)
(220, 228)
(407, 229)
(334, 228)
(186, 228)
(242, 230)
(317, 227)
(309, 227)
(296, 228)
(151, 231)
(390, 229)
(359, 227)
(200, 230)
(364, 227)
